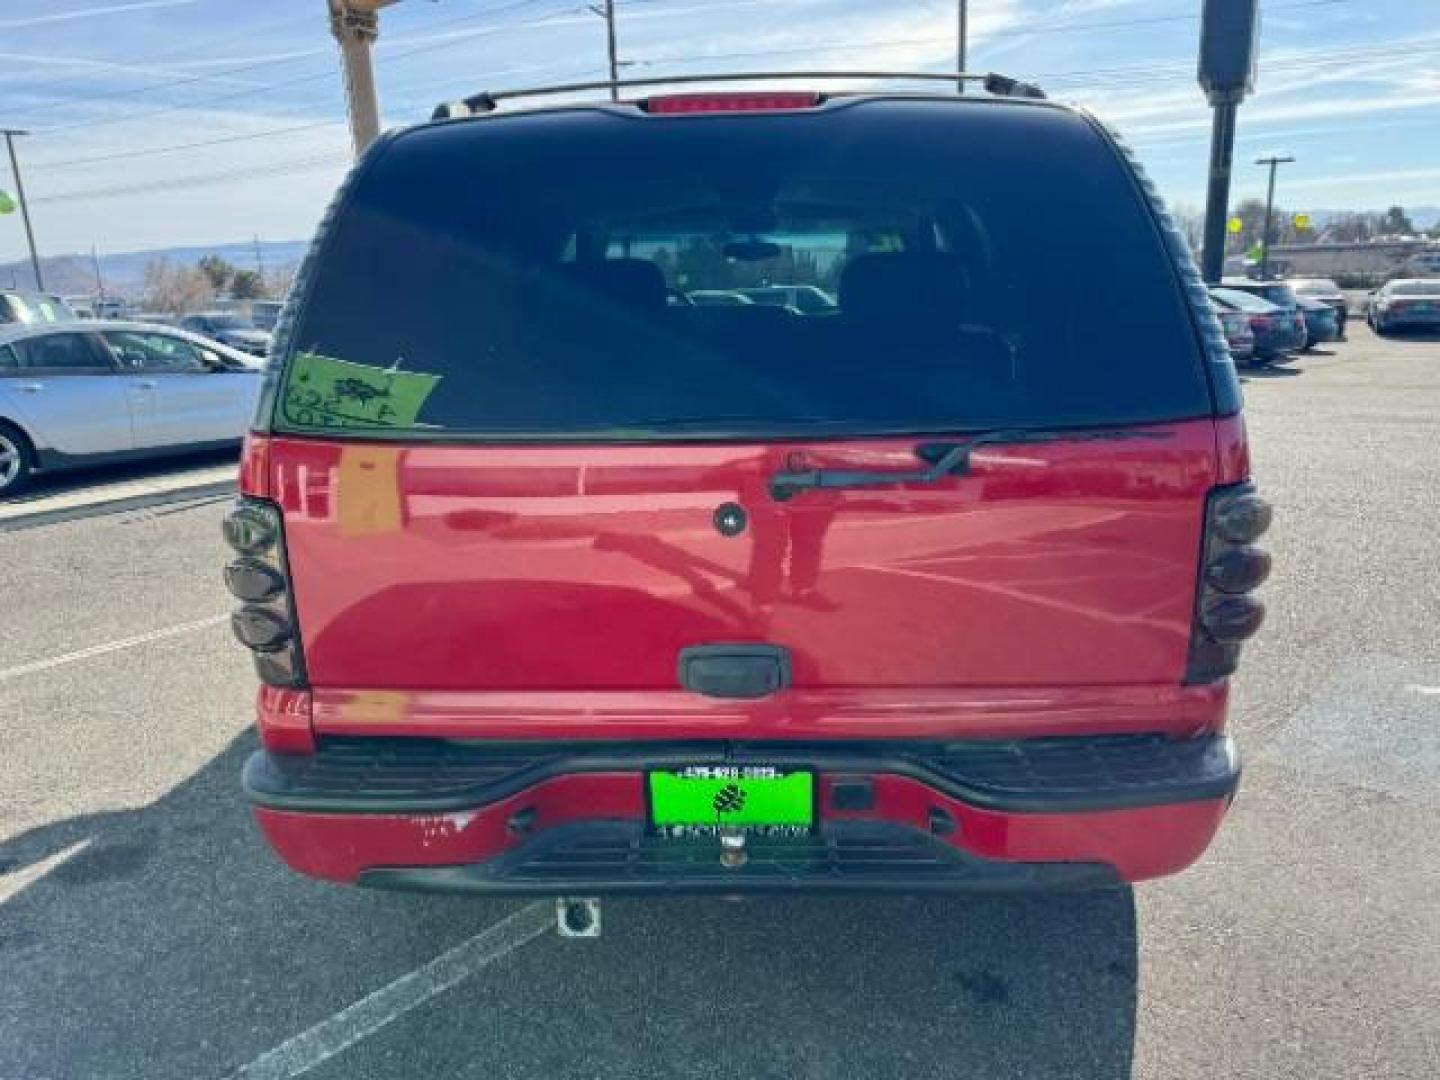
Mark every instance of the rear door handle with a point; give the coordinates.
(30, 387)
(145, 384)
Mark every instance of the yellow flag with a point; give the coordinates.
(1234, 225)
(1302, 221)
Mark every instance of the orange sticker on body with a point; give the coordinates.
(367, 490)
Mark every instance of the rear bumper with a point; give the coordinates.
(1275, 344)
(1412, 320)
(614, 858)
(552, 819)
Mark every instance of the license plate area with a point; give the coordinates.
(704, 800)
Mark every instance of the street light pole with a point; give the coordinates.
(10, 134)
(1269, 212)
(1217, 196)
(1228, 32)
(99, 279)
(962, 40)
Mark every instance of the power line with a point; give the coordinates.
(519, 5)
(150, 151)
(221, 176)
(1136, 73)
(189, 49)
(255, 172)
(284, 83)
(943, 41)
(1185, 70)
(1131, 74)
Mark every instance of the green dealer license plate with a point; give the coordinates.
(701, 800)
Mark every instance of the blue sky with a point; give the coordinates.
(116, 93)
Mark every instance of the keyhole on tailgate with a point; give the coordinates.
(730, 519)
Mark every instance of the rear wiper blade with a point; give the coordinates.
(945, 459)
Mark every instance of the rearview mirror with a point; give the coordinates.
(752, 250)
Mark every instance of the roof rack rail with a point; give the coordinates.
(485, 102)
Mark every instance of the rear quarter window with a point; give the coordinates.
(556, 276)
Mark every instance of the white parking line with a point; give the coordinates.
(13, 882)
(108, 647)
(299, 1055)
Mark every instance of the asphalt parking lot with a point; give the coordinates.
(146, 932)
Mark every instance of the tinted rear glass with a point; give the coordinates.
(592, 275)
(1416, 288)
(1281, 295)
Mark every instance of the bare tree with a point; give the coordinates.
(279, 280)
(1352, 227)
(1191, 220)
(176, 290)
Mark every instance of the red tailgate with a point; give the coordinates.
(489, 568)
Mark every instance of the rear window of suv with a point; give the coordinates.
(1280, 295)
(554, 276)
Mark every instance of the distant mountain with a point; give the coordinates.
(124, 272)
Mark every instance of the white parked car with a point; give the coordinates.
(83, 393)
(1405, 304)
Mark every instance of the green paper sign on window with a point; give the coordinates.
(321, 391)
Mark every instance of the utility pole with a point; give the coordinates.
(962, 40)
(1272, 161)
(259, 261)
(10, 134)
(356, 25)
(99, 281)
(607, 12)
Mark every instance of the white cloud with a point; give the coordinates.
(92, 13)
(1361, 179)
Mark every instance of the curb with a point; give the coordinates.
(193, 493)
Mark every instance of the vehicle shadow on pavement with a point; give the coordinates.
(169, 942)
(1271, 372)
(912, 987)
(50, 484)
(174, 944)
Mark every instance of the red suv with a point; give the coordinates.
(560, 582)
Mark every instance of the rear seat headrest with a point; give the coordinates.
(630, 283)
(911, 283)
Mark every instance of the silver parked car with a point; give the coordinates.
(82, 393)
(1405, 304)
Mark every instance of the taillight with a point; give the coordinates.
(259, 578)
(1231, 569)
(727, 103)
